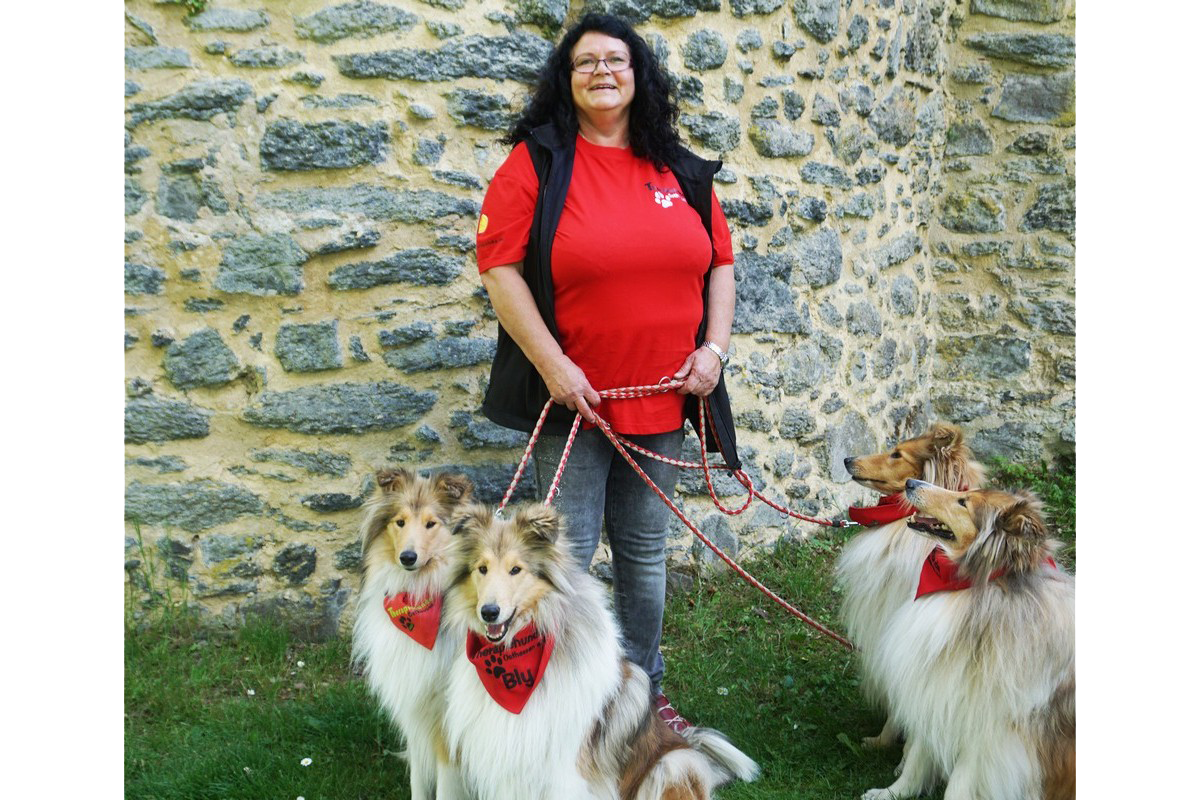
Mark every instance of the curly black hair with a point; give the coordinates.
(653, 114)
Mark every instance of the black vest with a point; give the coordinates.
(516, 393)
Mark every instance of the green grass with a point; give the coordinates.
(782, 692)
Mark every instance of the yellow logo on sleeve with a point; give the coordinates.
(483, 221)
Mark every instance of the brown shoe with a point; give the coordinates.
(669, 715)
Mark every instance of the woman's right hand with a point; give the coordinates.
(569, 386)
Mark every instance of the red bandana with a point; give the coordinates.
(940, 574)
(888, 509)
(419, 619)
(511, 674)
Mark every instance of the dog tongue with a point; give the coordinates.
(494, 630)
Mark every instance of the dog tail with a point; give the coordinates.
(709, 761)
(724, 760)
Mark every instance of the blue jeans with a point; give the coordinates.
(597, 485)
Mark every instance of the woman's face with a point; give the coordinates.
(604, 91)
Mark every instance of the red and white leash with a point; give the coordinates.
(623, 446)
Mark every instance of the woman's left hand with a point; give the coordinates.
(699, 373)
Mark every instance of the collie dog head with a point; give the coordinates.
(939, 456)
(406, 529)
(984, 530)
(509, 570)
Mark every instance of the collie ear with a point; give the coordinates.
(393, 480)
(1023, 518)
(541, 521)
(945, 436)
(471, 519)
(453, 488)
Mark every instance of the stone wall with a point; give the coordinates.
(1003, 242)
(302, 305)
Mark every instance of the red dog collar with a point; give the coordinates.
(889, 509)
(940, 574)
(510, 674)
(418, 618)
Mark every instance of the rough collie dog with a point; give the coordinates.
(545, 706)
(980, 668)
(877, 569)
(399, 636)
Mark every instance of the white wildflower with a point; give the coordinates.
(304, 762)
(250, 693)
(723, 691)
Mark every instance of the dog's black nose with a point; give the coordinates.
(408, 558)
(490, 612)
(912, 483)
(848, 460)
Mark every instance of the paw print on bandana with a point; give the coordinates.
(492, 665)
(406, 621)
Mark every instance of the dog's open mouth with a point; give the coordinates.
(931, 526)
(497, 630)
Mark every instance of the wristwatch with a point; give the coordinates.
(721, 354)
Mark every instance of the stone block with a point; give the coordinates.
(714, 130)
(1038, 98)
(851, 437)
(705, 49)
(420, 266)
(375, 202)
(295, 563)
(479, 109)
(341, 408)
(309, 347)
(318, 462)
(155, 57)
(1038, 49)
(227, 19)
(820, 18)
(360, 19)
(1022, 10)
(969, 137)
(1053, 209)
(983, 357)
(193, 506)
(773, 140)
(517, 57)
(154, 419)
(894, 120)
(141, 279)
(266, 57)
(201, 100)
(976, 209)
(261, 265)
(436, 354)
(764, 298)
(819, 256)
(202, 359)
(291, 145)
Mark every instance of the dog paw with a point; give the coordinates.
(878, 794)
(874, 742)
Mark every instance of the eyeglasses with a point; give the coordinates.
(589, 64)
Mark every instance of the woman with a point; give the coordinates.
(609, 263)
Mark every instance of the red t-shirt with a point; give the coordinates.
(628, 263)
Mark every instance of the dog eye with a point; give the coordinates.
(896, 454)
(483, 570)
(399, 523)
(514, 570)
(430, 524)
(962, 501)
